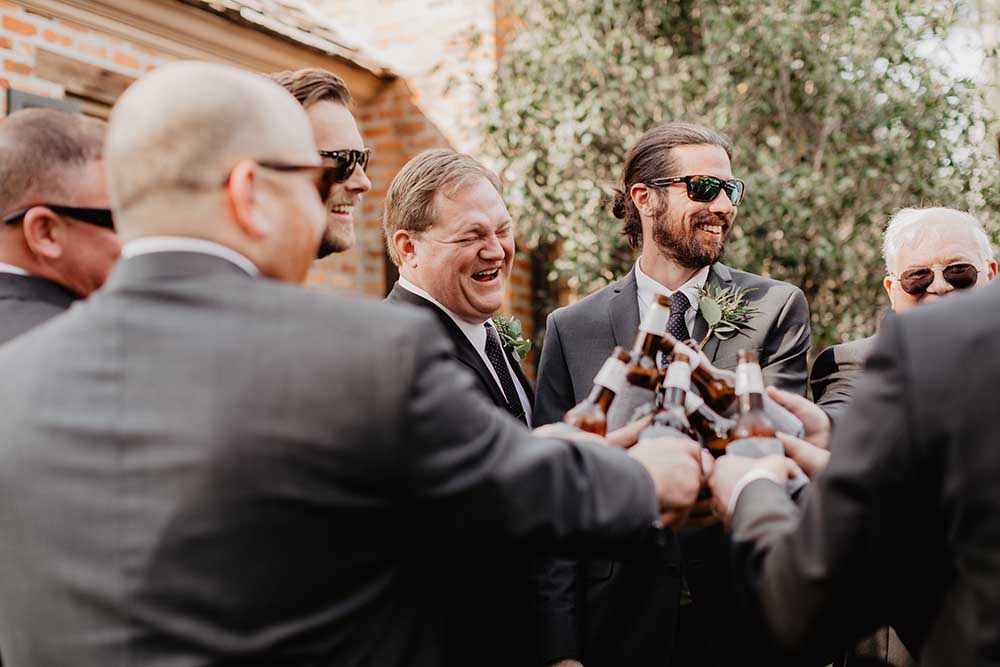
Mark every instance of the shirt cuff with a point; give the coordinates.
(744, 482)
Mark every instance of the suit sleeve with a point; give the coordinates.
(813, 574)
(787, 346)
(553, 386)
(476, 476)
(832, 384)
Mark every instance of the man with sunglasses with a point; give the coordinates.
(327, 100)
(679, 198)
(57, 240)
(928, 253)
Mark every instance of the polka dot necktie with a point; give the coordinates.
(494, 352)
(676, 324)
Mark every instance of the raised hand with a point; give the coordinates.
(815, 422)
(729, 470)
(676, 469)
(810, 458)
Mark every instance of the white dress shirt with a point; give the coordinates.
(151, 244)
(647, 290)
(476, 333)
(10, 268)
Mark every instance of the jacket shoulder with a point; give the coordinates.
(590, 306)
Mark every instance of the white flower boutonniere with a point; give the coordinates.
(726, 311)
(509, 328)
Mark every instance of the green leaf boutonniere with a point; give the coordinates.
(726, 310)
(509, 328)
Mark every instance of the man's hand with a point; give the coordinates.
(675, 466)
(729, 470)
(628, 435)
(569, 662)
(815, 422)
(809, 457)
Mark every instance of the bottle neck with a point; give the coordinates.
(646, 345)
(673, 397)
(751, 402)
(749, 379)
(601, 397)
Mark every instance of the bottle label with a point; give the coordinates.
(749, 379)
(755, 448)
(655, 321)
(678, 375)
(659, 431)
(692, 402)
(694, 358)
(612, 375)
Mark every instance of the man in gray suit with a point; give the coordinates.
(57, 240)
(928, 253)
(203, 465)
(679, 200)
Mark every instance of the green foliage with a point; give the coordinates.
(726, 310)
(509, 329)
(838, 117)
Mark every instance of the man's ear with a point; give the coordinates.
(242, 197)
(887, 283)
(45, 233)
(403, 242)
(643, 198)
(991, 268)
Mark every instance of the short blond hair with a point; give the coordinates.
(907, 223)
(409, 203)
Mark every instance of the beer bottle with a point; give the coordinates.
(591, 414)
(754, 433)
(643, 370)
(714, 429)
(714, 387)
(670, 416)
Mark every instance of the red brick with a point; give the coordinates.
(125, 60)
(5, 43)
(19, 27)
(413, 127)
(4, 83)
(380, 131)
(16, 67)
(8, 5)
(397, 112)
(53, 37)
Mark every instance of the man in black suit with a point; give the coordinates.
(928, 253)
(448, 230)
(679, 199)
(57, 241)
(204, 465)
(901, 526)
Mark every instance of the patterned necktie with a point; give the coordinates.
(676, 324)
(495, 353)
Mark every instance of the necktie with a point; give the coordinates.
(494, 352)
(676, 326)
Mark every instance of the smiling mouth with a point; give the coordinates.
(486, 276)
(342, 209)
(714, 230)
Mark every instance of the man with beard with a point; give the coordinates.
(326, 99)
(678, 198)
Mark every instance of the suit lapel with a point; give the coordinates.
(624, 311)
(529, 391)
(721, 276)
(464, 351)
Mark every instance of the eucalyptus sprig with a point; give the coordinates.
(726, 310)
(509, 328)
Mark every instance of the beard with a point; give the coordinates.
(328, 246)
(680, 241)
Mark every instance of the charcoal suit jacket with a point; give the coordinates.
(243, 472)
(27, 301)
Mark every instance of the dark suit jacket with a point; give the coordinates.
(244, 472)
(835, 372)
(622, 614)
(27, 301)
(903, 523)
(488, 615)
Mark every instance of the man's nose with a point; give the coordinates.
(939, 286)
(358, 183)
(492, 248)
(722, 203)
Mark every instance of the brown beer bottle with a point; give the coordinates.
(670, 417)
(643, 370)
(591, 414)
(716, 389)
(752, 422)
(714, 429)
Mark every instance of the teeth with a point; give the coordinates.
(341, 209)
(483, 274)
(715, 229)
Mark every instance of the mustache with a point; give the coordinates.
(710, 218)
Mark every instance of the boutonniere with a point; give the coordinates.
(726, 311)
(509, 328)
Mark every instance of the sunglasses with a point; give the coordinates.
(705, 188)
(346, 160)
(100, 217)
(960, 276)
(325, 177)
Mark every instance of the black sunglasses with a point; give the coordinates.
(325, 176)
(346, 160)
(960, 276)
(705, 188)
(101, 217)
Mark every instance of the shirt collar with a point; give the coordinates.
(151, 244)
(10, 268)
(476, 333)
(647, 289)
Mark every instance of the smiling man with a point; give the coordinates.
(448, 230)
(678, 198)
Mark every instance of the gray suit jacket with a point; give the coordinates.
(27, 301)
(622, 614)
(902, 526)
(202, 468)
(835, 372)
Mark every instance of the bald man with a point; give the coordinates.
(57, 240)
(244, 472)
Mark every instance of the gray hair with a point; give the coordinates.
(908, 222)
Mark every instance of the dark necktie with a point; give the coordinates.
(676, 326)
(494, 352)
